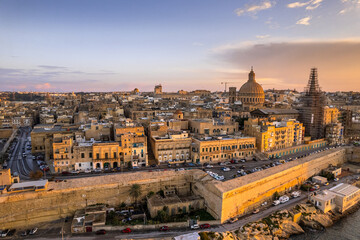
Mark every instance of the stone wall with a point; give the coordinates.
(64, 198)
(222, 199)
(241, 195)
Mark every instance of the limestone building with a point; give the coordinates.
(173, 147)
(213, 127)
(216, 149)
(274, 135)
(158, 89)
(232, 95)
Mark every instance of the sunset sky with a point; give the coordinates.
(105, 45)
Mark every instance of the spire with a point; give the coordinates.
(313, 84)
(251, 75)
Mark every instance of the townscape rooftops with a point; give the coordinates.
(277, 111)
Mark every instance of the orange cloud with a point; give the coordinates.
(43, 86)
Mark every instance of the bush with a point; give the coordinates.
(36, 175)
(276, 195)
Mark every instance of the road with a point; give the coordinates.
(18, 164)
(216, 168)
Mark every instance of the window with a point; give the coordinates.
(90, 155)
(82, 155)
(106, 155)
(97, 156)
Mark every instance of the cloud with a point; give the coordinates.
(310, 5)
(262, 36)
(253, 9)
(51, 67)
(349, 5)
(43, 86)
(290, 62)
(304, 21)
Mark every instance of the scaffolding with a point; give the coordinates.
(312, 111)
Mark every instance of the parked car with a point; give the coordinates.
(284, 199)
(295, 194)
(336, 179)
(232, 220)
(256, 211)
(205, 225)
(327, 183)
(126, 230)
(276, 202)
(225, 169)
(195, 226)
(5, 232)
(101, 232)
(25, 233)
(33, 231)
(11, 232)
(209, 166)
(164, 228)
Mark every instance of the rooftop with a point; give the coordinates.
(344, 189)
(39, 183)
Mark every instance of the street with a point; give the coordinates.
(18, 164)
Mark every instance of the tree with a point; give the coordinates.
(36, 175)
(276, 195)
(135, 192)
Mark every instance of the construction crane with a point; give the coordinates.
(226, 83)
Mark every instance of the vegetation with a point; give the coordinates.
(122, 205)
(327, 175)
(305, 187)
(36, 175)
(276, 195)
(204, 236)
(135, 192)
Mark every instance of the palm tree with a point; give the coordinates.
(135, 192)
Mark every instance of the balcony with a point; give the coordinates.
(107, 159)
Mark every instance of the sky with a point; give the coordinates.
(119, 45)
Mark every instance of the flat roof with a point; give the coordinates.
(235, 183)
(324, 195)
(344, 189)
(39, 183)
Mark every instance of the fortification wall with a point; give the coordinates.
(222, 199)
(239, 196)
(64, 198)
(262, 185)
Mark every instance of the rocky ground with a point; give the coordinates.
(280, 225)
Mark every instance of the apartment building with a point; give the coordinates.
(216, 149)
(172, 147)
(272, 136)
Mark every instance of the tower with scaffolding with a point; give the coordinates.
(312, 109)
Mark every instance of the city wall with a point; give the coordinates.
(242, 195)
(64, 198)
(222, 199)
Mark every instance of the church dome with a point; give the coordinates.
(251, 92)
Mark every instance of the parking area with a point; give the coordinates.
(237, 168)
